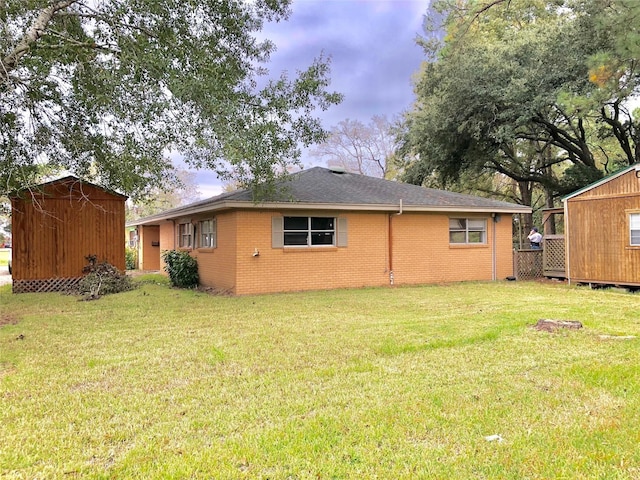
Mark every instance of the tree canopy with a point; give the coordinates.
(537, 91)
(104, 89)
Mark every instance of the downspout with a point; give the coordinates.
(567, 250)
(391, 280)
(493, 247)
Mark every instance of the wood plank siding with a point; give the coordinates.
(57, 226)
(597, 233)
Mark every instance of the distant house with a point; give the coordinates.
(602, 230)
(56, 225)
(329, 229)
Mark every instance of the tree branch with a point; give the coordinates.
(619, 130)
(561, 138)
(33, 34)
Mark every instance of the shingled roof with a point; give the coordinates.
(322, 188)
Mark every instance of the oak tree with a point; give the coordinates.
(511, 89)
(105, 89)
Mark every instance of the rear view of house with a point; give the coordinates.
(329, 229)
(56, 226)
(602, 230)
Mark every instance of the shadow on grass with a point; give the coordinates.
(390, 347)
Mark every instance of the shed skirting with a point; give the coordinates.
(48, 285)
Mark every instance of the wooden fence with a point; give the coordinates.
(527, 264)
(548, 262)
(553, 264)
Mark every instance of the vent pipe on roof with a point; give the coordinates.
(339, 169)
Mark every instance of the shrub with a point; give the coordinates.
(182, 268)
(130, 258)
(103, 279)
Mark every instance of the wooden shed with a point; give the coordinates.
(56, 225)
(602, 230)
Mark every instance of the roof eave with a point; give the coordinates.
(603, 180)
(379, 207)
(391, 208)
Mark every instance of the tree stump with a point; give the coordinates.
(549, 325)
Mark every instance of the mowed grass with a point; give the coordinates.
(5, 255)
(373, 383)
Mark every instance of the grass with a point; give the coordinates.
(5, 255)
(371, 383)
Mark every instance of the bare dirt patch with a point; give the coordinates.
(8, 320)
(548, 325)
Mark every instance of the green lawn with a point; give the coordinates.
(373, 383)
(5, 255)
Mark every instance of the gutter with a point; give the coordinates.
(223, 205)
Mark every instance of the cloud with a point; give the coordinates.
(372, 48)
(373, 51)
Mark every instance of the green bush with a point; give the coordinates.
(131, 258)
(103, 279)
(182, 268)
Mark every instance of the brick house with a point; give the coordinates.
(330, 229)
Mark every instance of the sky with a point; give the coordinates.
(373, 52)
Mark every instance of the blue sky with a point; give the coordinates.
(373, 51)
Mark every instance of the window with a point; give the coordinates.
(309, 231)
(467, 230)
(184, 235)
(634, 229)
(208, 233)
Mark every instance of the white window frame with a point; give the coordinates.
(634, 229)
(185, 235)
(133, 238)
(207, 238)
(468, 230)
(309, 231)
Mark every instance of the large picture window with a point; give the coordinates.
(309, 231)
(185, 235)
(207, 233)
(467, 230)
(634, 229)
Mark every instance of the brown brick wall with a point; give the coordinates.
(421, 254)
(362, 263)
(217, 266)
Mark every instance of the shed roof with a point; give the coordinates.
(322, 188)
(603, 180)
(69, 181)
